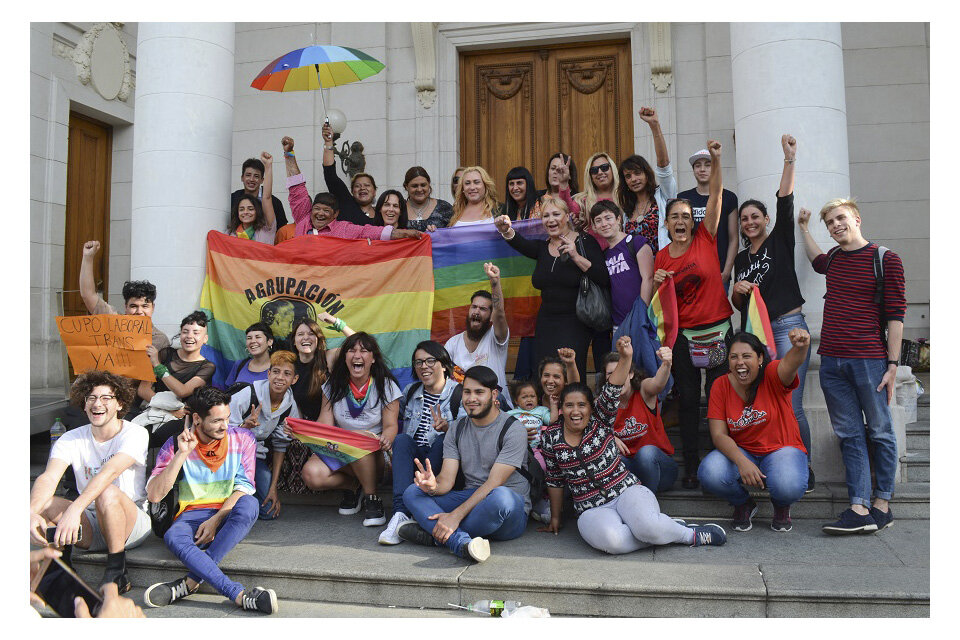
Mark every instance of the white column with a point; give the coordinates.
(181, 158)
(788, 78)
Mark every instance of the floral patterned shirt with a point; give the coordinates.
(593, 469)
(648, 226)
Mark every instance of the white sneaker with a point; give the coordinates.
(389, 535)
(478, 549)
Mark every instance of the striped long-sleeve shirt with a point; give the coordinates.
(202, 488)
(593, 469)
(851, 319)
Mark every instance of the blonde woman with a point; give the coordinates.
(476, 199)
(600, 182)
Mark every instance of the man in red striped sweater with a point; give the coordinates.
(858, 363)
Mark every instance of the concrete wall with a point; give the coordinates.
(887, 74)
(55, 90)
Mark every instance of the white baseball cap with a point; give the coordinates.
(703, 153)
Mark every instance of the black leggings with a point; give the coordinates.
(562, 330)
(688, 379)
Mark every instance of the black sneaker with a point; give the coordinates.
(708, 534)
(743, 515)
(259, 599)
(811, 481)
(373, 511)
(350, 504)
(781, 519)
(163, 593)
(413, 532)
(882, 519)
(851, 522)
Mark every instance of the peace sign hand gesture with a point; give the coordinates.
(253, 420)
(439, 422)
(424, 478)
(187, 439)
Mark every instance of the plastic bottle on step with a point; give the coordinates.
(56, 431)
(494, 607)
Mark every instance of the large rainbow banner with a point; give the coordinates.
(383, 288)
(458, 257)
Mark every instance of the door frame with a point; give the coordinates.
(453, 37)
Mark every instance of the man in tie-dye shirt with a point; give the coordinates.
(213, 466)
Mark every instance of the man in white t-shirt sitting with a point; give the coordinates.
(108, 457)
(484, 343)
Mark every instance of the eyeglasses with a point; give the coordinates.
(104, 398)
(600, 167)
(455, 181)
(426, 361)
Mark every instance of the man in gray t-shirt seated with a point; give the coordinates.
(495, 500)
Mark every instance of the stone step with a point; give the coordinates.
(916, 466)
(918, 437)
(311, 554)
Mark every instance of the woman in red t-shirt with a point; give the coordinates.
(638, 427)
(691, 260)
(755, 432)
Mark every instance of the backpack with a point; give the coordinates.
(530, 469)
(877, 276)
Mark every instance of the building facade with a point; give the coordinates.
(856, 95)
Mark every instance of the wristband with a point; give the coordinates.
(893, 362)
(289, 154)
(339, 324)
(160, 370)
(790, 161)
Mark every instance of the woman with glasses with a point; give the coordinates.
(424, 213)
(455, 180)
(427, 407)
(643, 200)
(600, 182)
(702, 305)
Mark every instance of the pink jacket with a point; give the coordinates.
(301, 205)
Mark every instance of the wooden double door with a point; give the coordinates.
(520, 106)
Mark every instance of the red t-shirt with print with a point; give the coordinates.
(701, 297)
(765, 426)
(637, 426)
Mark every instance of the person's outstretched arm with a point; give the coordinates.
(651, 387)
(789, 144)
(649, 115)
(499, 317)
(269, 215)
(714, 201)
(88, 286)
(809, 244)
(790, 363)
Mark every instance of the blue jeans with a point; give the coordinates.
(404, 451)
(657, 471)
(262, 475)
(781, 330)
(499, 516)
(202, 564)
(785, 468)
(850, 388)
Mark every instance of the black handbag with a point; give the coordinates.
(162, 513)
(594, 308)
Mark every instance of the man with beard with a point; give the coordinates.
(213, 465)
(485, 340)
(489, 447)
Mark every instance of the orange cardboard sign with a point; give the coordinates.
(108, 342)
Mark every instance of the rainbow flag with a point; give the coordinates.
(663, 314)
(383, 288)
(458, 257)
(757, 322)
(342, 444)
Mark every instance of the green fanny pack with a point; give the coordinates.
(706, 345)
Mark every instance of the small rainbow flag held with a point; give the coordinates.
(334, 442)
(758, 322)
(458, 257)
(663, 313)
(383, 288)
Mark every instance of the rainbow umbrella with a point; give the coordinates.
(316, 67)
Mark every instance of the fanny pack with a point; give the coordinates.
(707, 346)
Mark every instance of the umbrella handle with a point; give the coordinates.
(326, 118)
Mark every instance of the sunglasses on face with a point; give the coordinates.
(600, 167)
(455, 181)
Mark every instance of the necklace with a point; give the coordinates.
(419, 211)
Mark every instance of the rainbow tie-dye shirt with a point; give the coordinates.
(201, 488)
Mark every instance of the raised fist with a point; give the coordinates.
(287, 143)
(714, 146)
(649, 115)
(266, 158)
(90, 248)
(789, 146)
(503, 224)
(625, 348)
(799, 337)
(803, 218)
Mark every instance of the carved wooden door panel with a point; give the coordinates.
(520, 106)
(88, 206)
